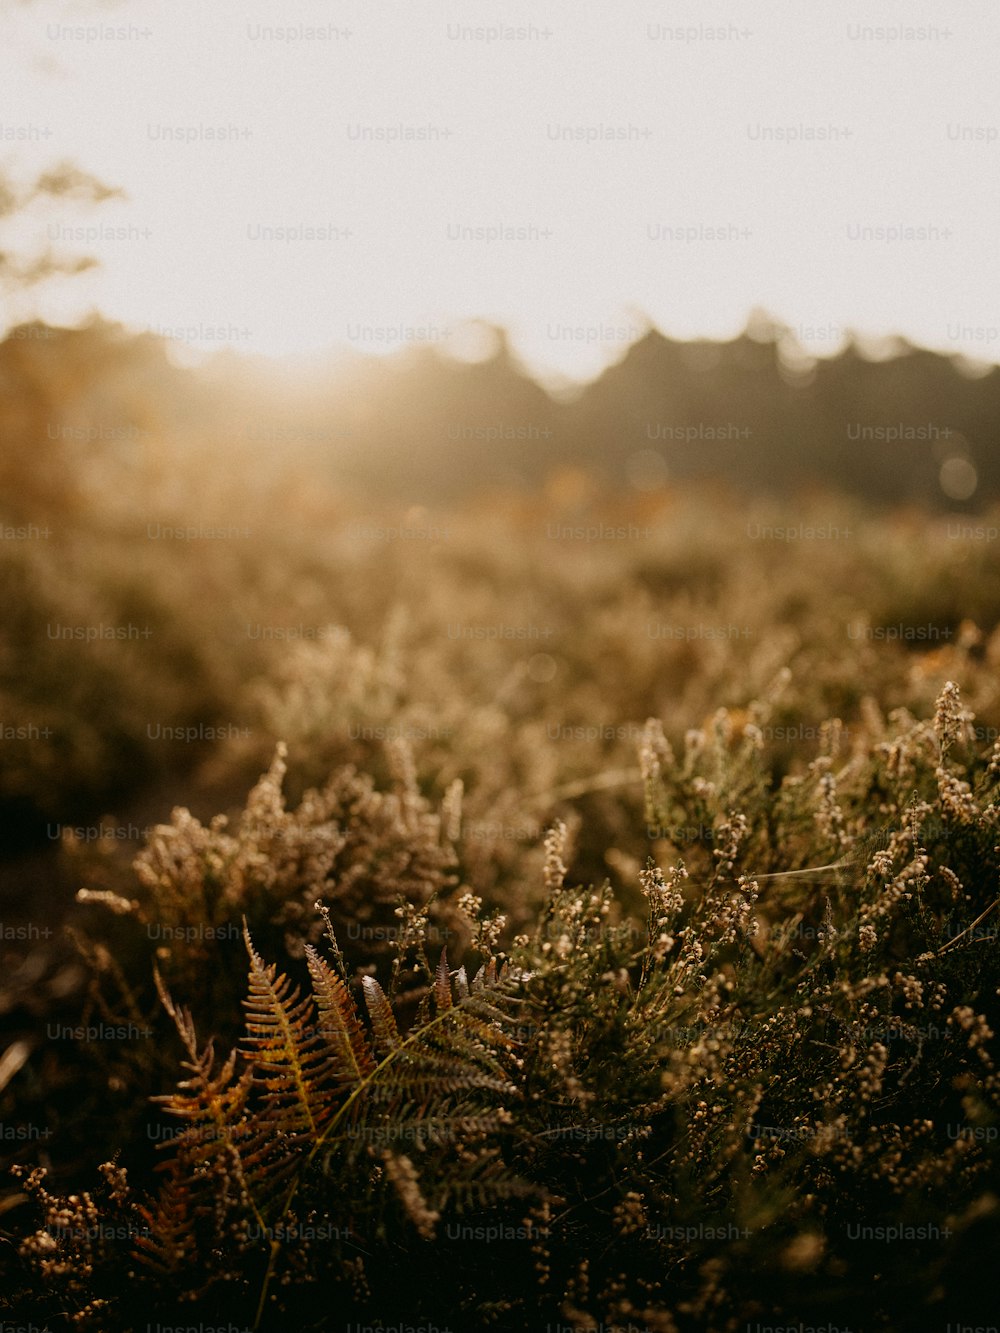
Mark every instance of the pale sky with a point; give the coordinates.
(632, 160)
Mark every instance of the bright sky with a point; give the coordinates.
(553, 165)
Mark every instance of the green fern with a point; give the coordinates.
(315, 1092)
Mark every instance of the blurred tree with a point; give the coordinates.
(37, 479)
(63, 182)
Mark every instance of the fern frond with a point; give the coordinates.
(211, 1105)
(485, 1179)
(321, 1095)
(206, 1159)
(442, 983)
(487, 1007)
(477, 1045)
(168, 1245)
(383, 1020)
(339, 1025)
(421, 1076)
(487, 975)
(292, 1062)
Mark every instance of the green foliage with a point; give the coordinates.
(378, 856)
(775, 1099)
(311, 1130)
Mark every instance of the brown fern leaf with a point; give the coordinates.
(442, 983)
(205, 1153)
(487, 977)
(168, 1243)
(212, 1106)
(383, 1020)
(291, 1063)
(340, 1026)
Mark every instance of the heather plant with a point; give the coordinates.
(361, 849)
(302, 623)
(379, 858)
(771, 1095)
(539, 717)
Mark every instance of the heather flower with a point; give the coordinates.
(950, 718)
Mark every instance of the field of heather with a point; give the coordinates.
(499, 668)
(596, 892)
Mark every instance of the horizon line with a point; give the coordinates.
(760, 327)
